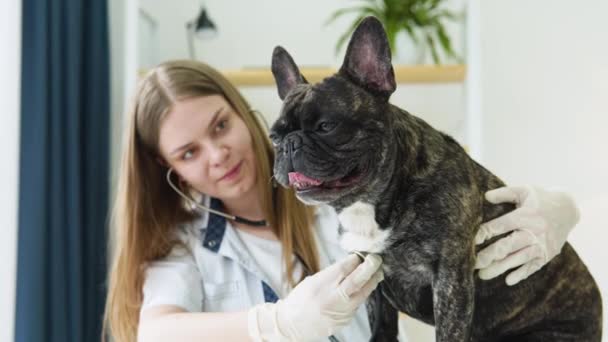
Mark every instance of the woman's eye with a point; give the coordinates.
(187, 155)
(221, 125)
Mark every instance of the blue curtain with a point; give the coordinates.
(64, 171)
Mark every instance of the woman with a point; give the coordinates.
(180, 273)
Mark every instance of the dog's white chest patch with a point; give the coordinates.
(362, 232)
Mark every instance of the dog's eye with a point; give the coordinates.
(274, 139)
(326, 126)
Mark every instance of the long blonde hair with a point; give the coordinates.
(147, 210)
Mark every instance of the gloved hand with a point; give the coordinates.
(540, 227)
(320, 304)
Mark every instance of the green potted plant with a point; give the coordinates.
(422, 20)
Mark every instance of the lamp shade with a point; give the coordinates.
(203, 27)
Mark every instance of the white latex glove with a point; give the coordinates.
(320, 304)
(540, 227)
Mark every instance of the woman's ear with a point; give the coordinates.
(162, 162)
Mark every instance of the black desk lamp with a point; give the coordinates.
(203, 27)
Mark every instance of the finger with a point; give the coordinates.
(524, 271)
(364, 272)
(497, 226)
(366, 290)
(336, 272)
(516, 259)
(520, 218)
(503, 247)
(510, 194)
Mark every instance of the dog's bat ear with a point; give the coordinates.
(368, 58)
(285, 71)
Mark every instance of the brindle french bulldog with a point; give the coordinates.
(412, 194)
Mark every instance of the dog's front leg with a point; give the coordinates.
(383, 317)
(453, 298)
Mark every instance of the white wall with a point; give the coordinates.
(117, 16)
(116, 11)
(249, 30)
(247, 37)
(446, 114)
(10, 75)
(545, 108)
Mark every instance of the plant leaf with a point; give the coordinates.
(451, 15)
(435, 3)
(444, 40)
(431, 42)
(410, 32)
(421, 19)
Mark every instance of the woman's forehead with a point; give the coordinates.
(189, 118)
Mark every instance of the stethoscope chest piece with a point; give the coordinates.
(360, 254)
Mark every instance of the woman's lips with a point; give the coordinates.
(231, 175)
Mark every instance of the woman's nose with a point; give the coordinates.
(217, 154)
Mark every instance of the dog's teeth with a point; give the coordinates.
(302, 185)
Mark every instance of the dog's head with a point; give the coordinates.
(330, 138)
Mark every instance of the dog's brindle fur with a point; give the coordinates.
(430, 193)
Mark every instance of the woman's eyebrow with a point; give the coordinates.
(215, 116)
(180, 148)
(213, 120)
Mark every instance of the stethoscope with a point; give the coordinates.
(260, 223)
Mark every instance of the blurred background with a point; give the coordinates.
(522, 84)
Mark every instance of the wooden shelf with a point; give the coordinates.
(255, 77)
(403, 74)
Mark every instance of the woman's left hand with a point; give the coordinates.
(540, 227)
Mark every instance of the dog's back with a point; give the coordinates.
(560, 302)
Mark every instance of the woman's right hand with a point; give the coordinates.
(320, 304)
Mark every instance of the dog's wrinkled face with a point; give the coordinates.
(327, 141)
(330, 137)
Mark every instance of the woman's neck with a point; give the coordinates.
(249, 206)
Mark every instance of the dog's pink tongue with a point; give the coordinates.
(296, 177)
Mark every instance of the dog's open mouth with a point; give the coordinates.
(302, 182)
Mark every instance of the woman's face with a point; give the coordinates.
(209, 147)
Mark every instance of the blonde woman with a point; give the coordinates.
(260, 266)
